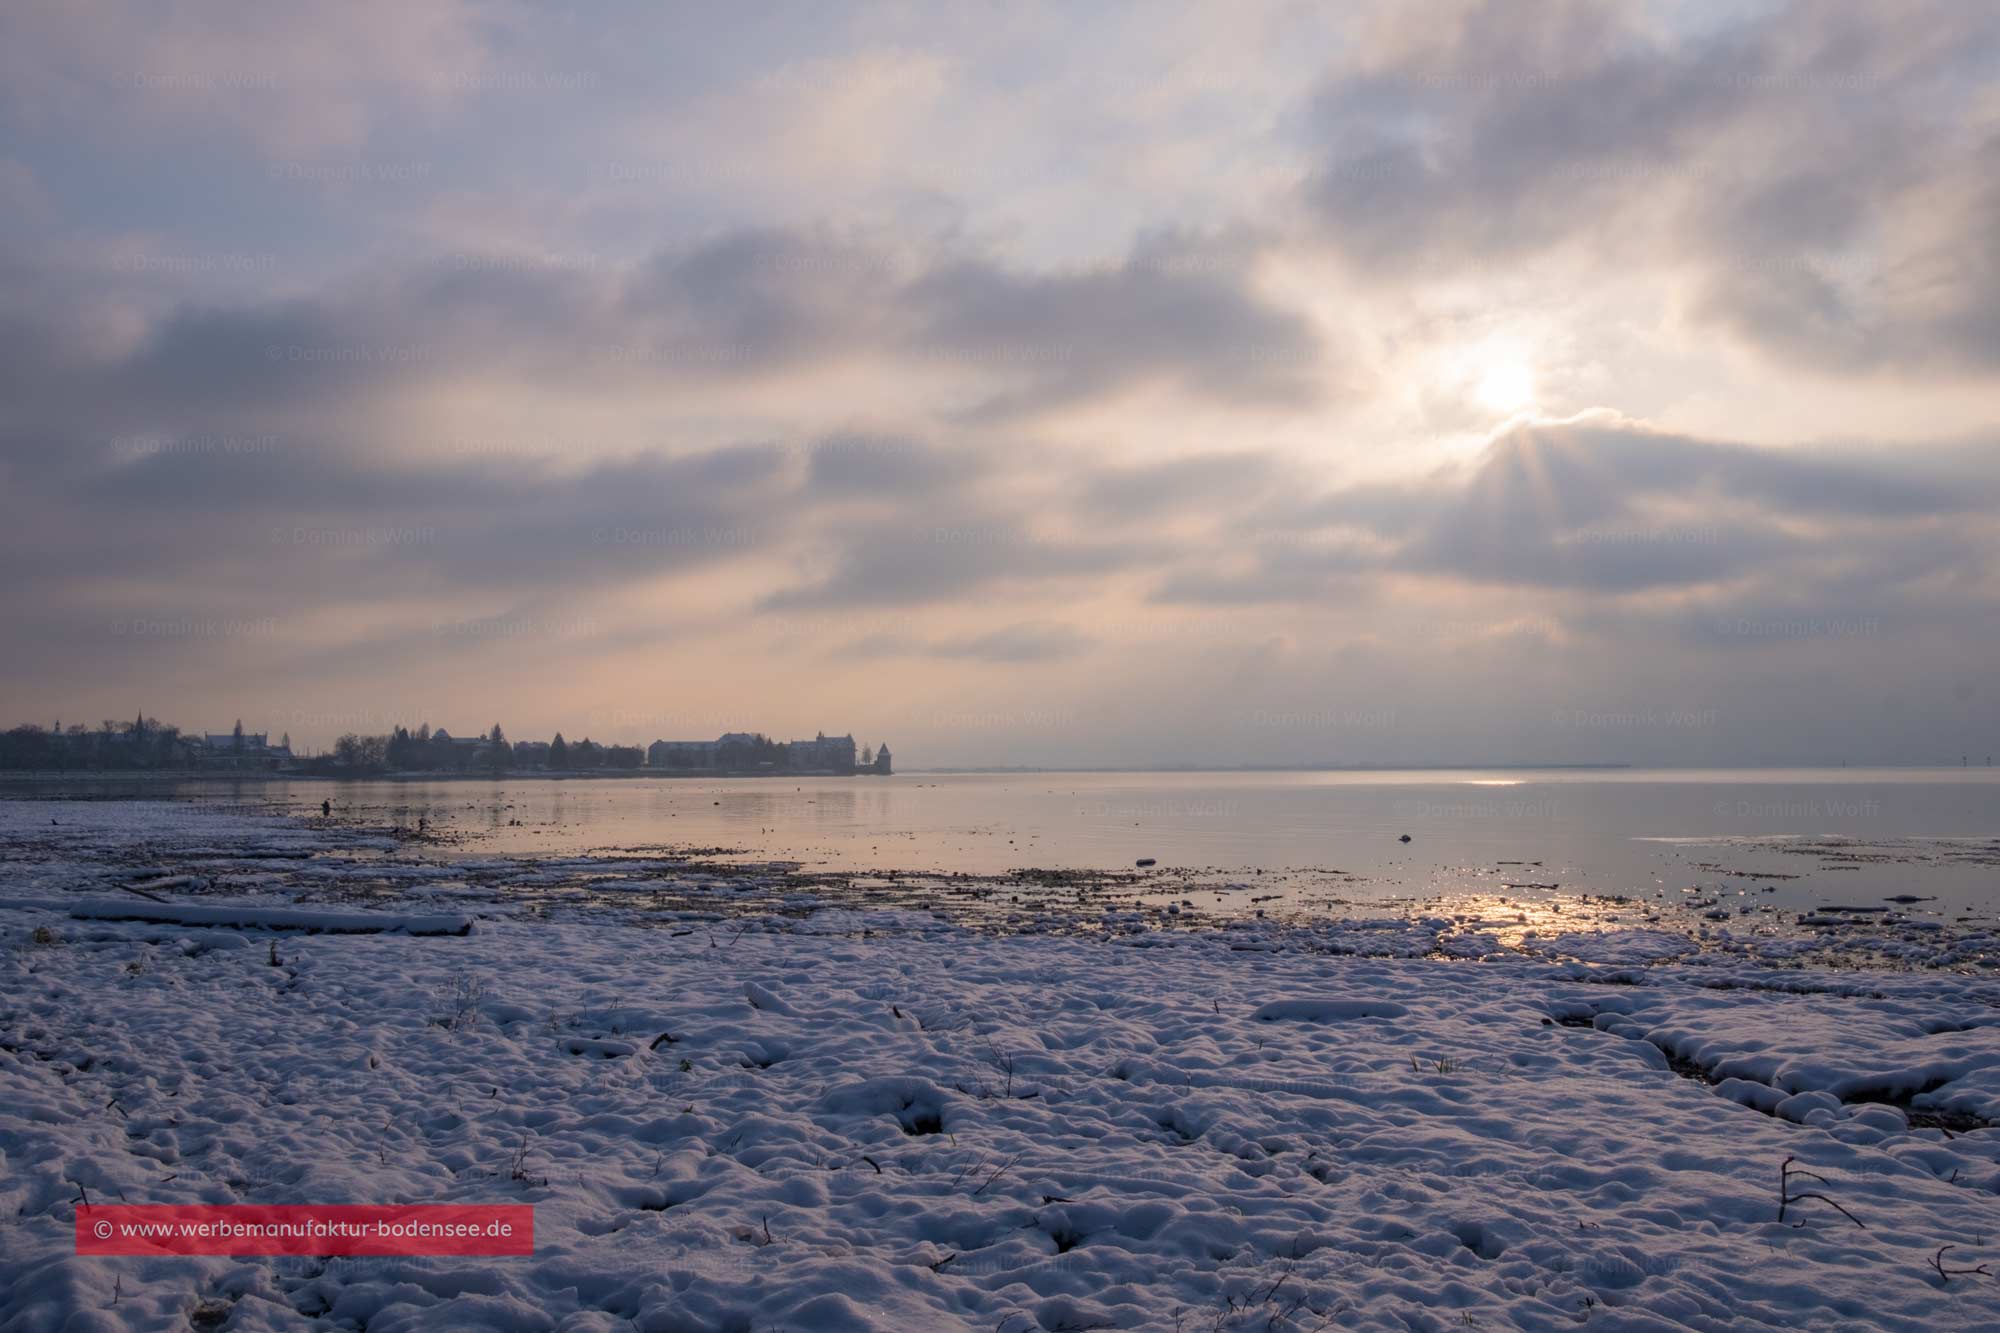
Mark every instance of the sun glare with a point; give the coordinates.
(1507, 386)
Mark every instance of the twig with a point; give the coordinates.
(1786, 1198)
(1947, 1274)
(996, 1175)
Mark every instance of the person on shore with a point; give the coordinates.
(326, 809)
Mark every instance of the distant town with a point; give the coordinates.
(146, 744)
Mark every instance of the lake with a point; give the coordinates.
(1791, 837)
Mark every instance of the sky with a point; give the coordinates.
(1037, 384)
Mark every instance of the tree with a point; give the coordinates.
(285, 741)
(361, 753)
(867, 755)
(499, 752)
(236, 736)
(558, 752)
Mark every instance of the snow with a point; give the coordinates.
(852, 1119)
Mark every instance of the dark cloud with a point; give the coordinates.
(306, 523)
(1604, 505)
(1480, 132)
(886, 467)
(752, 303)
(1192, 318)
(760, 299)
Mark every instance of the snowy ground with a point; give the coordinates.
(837, 1120)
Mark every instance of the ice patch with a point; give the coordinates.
(1321, 1010)
(269, 918)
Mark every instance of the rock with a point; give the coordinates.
(1404, 838)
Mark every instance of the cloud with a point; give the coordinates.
(286, 79)
(1604, 505)
(1036, 641)
(1202, 481)
(1190, 316)
(931, 559)
(1823, 173)
(760, 298)
(1024, 642)
(972, 335)
(879, 466)
(1327, 572)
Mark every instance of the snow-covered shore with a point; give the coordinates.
(843, 1119)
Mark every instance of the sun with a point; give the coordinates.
(1507, 386)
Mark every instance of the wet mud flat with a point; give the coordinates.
(187, 853)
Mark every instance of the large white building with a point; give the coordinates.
(221, 747)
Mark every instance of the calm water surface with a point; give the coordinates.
(1836, 836)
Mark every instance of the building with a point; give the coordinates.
(822, 754)
(224, 749)
(750, 752)
(686, 756)
(881, 766)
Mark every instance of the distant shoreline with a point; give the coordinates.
(1291, 768)
(51, 777)
(444, 775)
